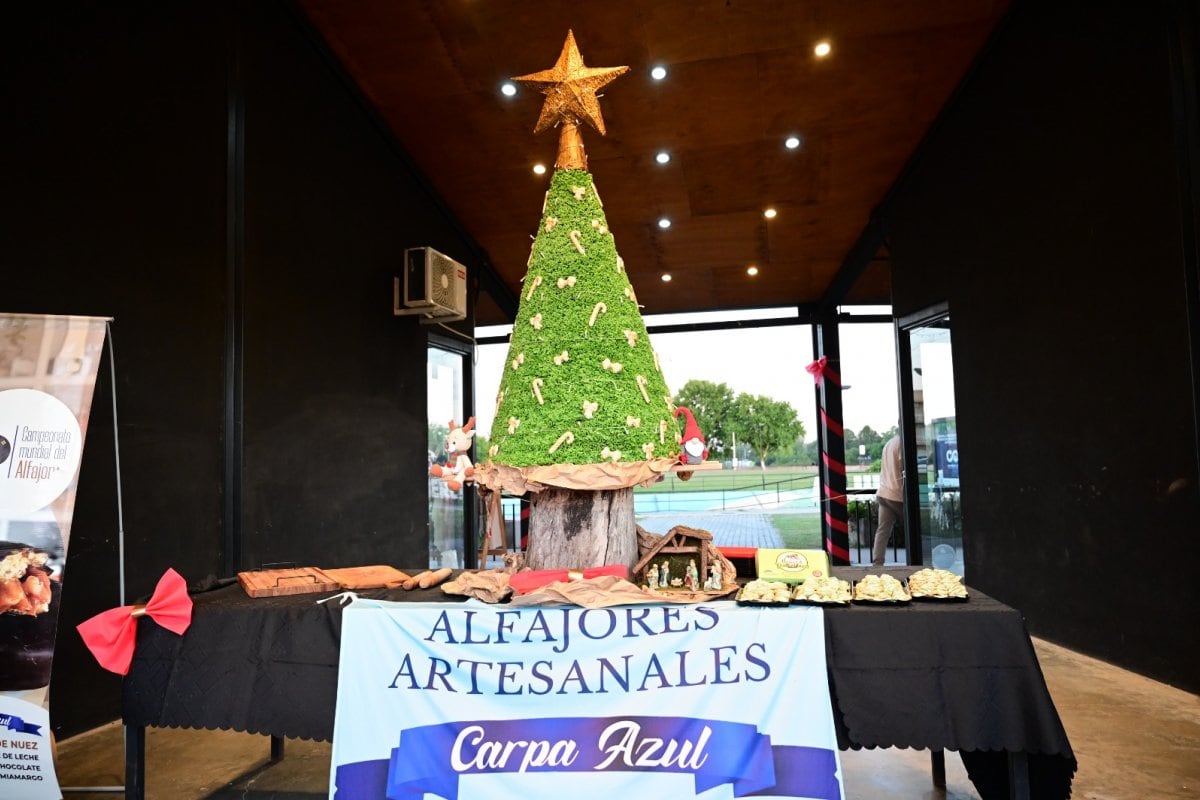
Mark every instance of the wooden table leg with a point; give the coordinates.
(937, 763)
(135, 762)
(1018, 776)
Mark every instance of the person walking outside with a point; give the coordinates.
(890, 497)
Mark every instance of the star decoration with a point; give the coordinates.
(570, 88)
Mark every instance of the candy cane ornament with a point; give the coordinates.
(566, 438)
(599, 309)
(641, 383)
(574, 237)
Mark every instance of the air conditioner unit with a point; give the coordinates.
(433, 286)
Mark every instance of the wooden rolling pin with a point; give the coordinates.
(428, 578)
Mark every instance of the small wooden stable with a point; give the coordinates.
(679, 541)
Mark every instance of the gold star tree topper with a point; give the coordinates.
(570, 88)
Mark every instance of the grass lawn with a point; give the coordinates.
(798, 531)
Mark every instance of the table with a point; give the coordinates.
(941, 676)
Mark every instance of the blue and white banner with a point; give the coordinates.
(470, 701)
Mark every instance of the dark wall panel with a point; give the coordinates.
(335, 464)
(1045, 210)
(112, 206)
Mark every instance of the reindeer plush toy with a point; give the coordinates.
(460, 468)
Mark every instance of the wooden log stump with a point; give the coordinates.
(573, 529)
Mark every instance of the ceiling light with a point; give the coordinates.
(664, 223)
(792, 142)
(751, 270)
(508, 89)
(539, 169)
(770, 213)
(822, 49)
(658, 73)
(663, 157)
(666, 276)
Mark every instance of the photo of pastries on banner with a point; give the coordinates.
(27, 593)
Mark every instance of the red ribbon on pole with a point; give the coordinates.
(111, 635)
(820, 369)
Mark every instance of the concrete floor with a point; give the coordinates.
(1134, 738)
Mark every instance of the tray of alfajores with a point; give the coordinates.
(937, 585)
(881, 590)
(823, 591)
(764, 593)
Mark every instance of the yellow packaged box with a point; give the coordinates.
(791, 566)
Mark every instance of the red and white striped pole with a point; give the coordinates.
(830, 435)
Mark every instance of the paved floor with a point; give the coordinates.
(1135, 739)
(729, 529)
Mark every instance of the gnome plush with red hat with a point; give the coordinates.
(694, 448)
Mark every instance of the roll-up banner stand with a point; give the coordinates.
(47, 376)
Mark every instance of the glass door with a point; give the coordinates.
(451, 502)
(931, 455)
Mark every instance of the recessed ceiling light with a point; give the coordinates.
(658, 73)
(792, 142)
(539, 169)
(822, 49)
(663, 157)
(508, 89)
(751, 270)
(664, 223)
(666, 276)
(770, 213)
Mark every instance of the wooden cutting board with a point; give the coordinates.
(378, 576)
(275, 582)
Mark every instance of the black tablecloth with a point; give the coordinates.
(953, 676)
(947, 676)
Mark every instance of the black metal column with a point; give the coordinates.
(235, 240)
(1185, 107)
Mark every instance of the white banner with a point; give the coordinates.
(470, 701)
(47, 376)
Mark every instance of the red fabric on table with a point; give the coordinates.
(529, 580)
(738, 552)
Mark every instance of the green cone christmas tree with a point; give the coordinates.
(583, 405)
(581, 384)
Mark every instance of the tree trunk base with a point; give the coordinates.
(574, 529)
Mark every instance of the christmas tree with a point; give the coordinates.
(581, 384)
(583, 412)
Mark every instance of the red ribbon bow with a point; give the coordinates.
(111, 635)
(525, 582)
(820, 369)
